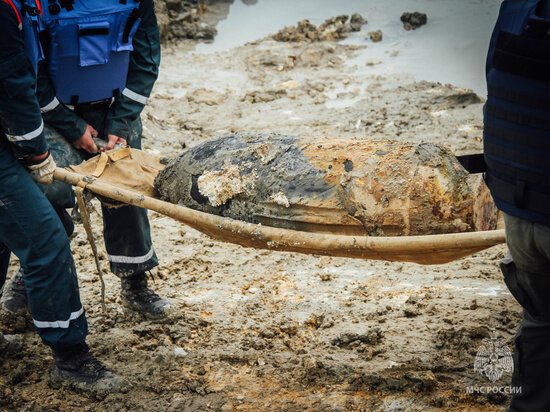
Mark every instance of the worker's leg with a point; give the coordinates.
(528, 278)
(128, 242)
(127, 231)
(31, 230)
(61, 196)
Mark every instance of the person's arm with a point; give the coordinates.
(20, 116)
(142, 74)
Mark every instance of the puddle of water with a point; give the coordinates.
(496, 290)
(451, 48)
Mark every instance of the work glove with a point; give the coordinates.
(42, 172)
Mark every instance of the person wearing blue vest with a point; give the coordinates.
(101, 61)
(517, 154)
(29, 227)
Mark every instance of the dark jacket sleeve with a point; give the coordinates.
(20, 117)
(68, 123)
(142, 74)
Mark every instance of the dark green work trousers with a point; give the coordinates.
(30, 228)
(527, 275)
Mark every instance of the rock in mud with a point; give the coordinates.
(329, 185)
(357, 21)
(334, 28)
(304, 31)
(412, 21)
(375, 35)
(372, 337)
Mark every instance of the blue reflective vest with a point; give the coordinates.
(87, 45)
(28, 14)
(516, 133)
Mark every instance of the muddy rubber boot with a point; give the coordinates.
(14, 305)
(137, 296)
(75, 367)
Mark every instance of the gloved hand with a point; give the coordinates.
(42, 172)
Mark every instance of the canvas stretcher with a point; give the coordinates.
(127, 176)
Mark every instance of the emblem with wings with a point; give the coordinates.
(493, 358)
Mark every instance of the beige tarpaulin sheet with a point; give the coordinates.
(127, 176)
(126, 168)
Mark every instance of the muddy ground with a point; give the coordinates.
(257, 330)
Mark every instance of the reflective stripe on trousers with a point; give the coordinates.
(30, 228)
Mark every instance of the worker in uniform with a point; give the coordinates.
(517, 154)
(101, 61)
(29, 226)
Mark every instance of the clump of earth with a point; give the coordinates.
(334, 28)
(261, 330)
(375, 35)
(412, 21)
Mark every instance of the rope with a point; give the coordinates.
(86, 222)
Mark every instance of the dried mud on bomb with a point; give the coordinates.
(257, 330)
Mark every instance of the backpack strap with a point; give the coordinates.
(134, 16)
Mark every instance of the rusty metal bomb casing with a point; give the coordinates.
(330, 185)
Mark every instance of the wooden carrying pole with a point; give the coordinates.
(426, 249)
